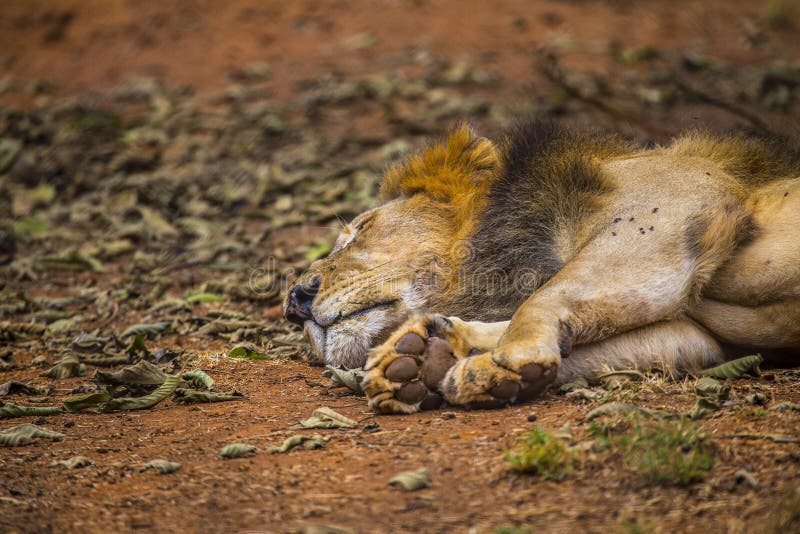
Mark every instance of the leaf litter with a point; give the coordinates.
(165, 467)
(349, 378)
(736, 368)
(23, 434)
(237, 450)
(189, 396)
(309, 442)
(325, 417)
(148, 401)
(412, 480)
(68, 367)
(72, 463)
(15, 386)
(10, 411)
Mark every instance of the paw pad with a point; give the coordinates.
(505, 390)
(411, 392)
(410, 343)
(439, 359)
(402, 369)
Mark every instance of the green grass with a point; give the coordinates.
(539, 452)
(662, 452)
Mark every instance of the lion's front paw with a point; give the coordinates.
(404, 373)
(499, 377)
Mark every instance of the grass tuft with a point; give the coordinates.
(540, 452)
(663, 452)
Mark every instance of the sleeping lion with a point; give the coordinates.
(490, 272)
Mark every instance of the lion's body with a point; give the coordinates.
(595, 251)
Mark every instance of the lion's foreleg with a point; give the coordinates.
(613, 285)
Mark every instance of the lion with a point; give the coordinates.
(490, 272)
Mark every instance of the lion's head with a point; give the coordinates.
(399, 258)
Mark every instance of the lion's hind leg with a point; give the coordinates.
(676, 347)
(404, 374)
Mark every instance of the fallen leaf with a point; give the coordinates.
(314, 442)
(617, 379)
(203, 298)
(326, 418)
(148, 401)
(69, 261)
(736, 368)
(61, 326)
(787, 406)
(89, 343)
(197, 378)
(237, 450)
(90, 400)
(24, 434)
(104, 360)
(148, 330)
(138, 346)
(9, 411)
(757, 399)
(248, 352)
(143, 373)
(349, 378)
(72, 463)
(14, 386)
(164, 467)
(742, 476)
(67, 367)
(711, 394)
(189, 396)
(412, 480)
(578, 383)
(585, 394)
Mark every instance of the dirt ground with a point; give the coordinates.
(180, 162)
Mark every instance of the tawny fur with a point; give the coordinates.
(598, 253)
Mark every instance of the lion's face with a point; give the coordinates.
(382, 268)
(397, 259)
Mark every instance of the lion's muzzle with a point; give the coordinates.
(298, 302)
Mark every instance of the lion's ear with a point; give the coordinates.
(465, 164)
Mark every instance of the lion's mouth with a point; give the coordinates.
(332, 319)
(344, 342)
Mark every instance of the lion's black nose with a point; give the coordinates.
(298, 305)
